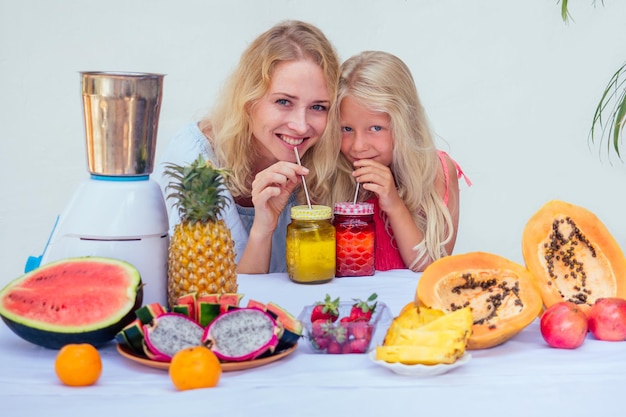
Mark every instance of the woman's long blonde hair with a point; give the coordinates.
(228, 124)
(382, 82)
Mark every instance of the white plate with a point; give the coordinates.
(420, 370)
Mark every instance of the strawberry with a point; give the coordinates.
(320, 342)
(345, 322)
(363, 310)
(326, 310)
(334, 347)
(320, 328)
(361, 329)
(356, 346)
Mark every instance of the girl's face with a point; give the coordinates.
(292, 113)
(365, 134)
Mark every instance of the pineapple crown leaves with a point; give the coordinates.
(329, 306)
(366, 305)
(197, 189)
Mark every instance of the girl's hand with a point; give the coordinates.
(377, 178)
(271, 189)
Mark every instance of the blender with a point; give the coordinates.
(119, 212)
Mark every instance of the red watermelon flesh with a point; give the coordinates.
(75, 295)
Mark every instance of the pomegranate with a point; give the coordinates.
(564, 325)
(607, 319)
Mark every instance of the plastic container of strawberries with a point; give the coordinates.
(343, 337)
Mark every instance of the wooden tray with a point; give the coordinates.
(226, 366)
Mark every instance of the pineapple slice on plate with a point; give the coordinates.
(412, 316)
(201, 255)
(419, 335)
(422, 355)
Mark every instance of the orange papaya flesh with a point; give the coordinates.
(573, 256)
(501, 293)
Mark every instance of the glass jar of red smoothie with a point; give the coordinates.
(355, 239)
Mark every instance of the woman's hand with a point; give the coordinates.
(271, 189)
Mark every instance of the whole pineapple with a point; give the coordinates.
(201, 255)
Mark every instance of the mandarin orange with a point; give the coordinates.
(195, 367)
(78, 364)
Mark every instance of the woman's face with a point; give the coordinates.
(292, 113)
(365, 134)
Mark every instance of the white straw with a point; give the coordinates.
(306, 191)
(356, 193)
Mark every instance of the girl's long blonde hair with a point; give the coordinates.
(382, 82)
(228, 124)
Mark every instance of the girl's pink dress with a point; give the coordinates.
(387, 254)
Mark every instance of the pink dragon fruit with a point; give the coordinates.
(168, 333)
(242, 334)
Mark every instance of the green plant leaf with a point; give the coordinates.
(613, 101)
(618, 121)
(564, 12)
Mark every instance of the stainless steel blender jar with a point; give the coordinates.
(119, 212)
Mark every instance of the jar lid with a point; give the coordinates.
(354, 209)
(316, 212)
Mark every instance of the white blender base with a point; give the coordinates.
(147, 254)
(124, 220)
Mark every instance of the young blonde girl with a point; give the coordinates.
(388, 148)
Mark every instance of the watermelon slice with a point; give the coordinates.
(74, 300)
(292, 326)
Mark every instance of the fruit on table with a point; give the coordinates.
(419, 335)
(292, 327)
(334, 327)
(501, 294)
(204, 308)
(78, 364)
(414, 318)
(133, 336)
(363, 310)
(572, 255)
(74, 300)
(195, 367)
(242, 334)
(201, 255)
(169, 333)
(564, 325)
(326, 310)
(607, 319)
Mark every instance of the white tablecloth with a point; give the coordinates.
(523, 377)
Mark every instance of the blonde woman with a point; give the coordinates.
(278, 98)
(388, 148)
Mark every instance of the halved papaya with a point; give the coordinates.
(502, 294)
(572, 255)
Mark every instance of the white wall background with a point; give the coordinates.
(509, 88)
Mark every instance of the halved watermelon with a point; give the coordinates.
(74, 300)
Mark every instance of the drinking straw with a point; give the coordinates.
(306, 191)
(356, 193)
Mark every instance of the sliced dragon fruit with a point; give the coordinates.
(241, 334)
(170, 332)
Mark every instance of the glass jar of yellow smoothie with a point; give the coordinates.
(311, 245)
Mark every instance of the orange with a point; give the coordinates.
(78, 364)
(195, 367)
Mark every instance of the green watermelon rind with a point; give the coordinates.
(97, 333)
